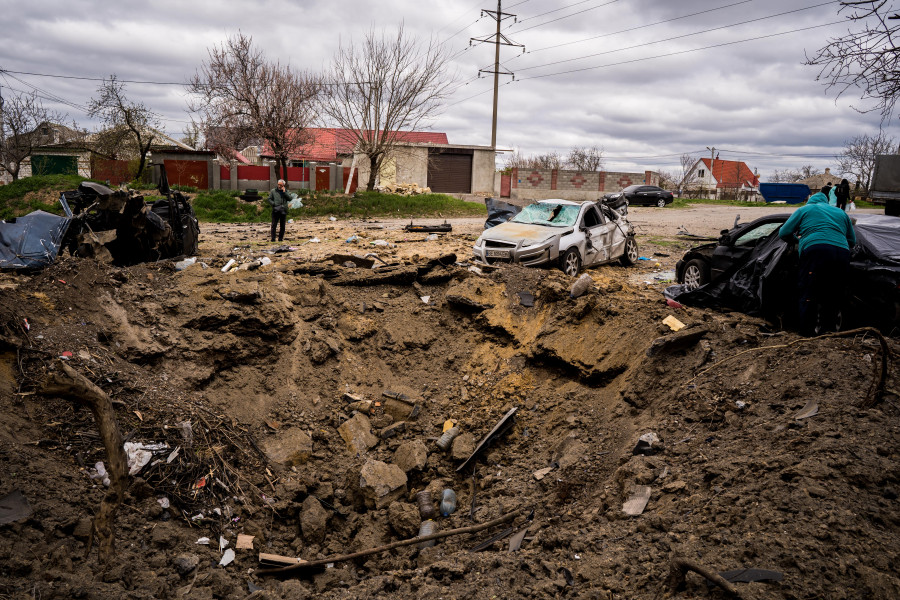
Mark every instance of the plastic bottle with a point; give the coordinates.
(427, 528)
(447, 438)
(582, 285)
(426, 505)
(448, 502)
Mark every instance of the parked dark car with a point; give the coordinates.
(642, 195)
(749, 261)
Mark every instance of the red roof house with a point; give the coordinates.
(331, 144)
(725, 175)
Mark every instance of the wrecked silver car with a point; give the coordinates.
(570, 234)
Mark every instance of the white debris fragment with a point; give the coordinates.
(227, 558)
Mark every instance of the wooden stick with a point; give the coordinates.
(680, 567)
(391, 546)
(66, 382)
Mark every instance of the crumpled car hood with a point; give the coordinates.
(523, 232)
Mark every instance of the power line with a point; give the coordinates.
(566, 16)
(461, 15)
(638, 27)
(677, 37)
(551, 11)
(625, 62)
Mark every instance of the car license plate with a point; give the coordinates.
(498, 253)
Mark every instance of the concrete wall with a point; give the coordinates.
(485, 179)
(84, 162)
(541, 184)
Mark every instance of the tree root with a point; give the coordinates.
(680, 567)
(65, 382)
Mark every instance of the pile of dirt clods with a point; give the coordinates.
(292, 410)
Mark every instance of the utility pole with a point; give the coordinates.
(712, 160)
(498, 39)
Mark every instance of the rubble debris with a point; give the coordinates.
(541, 473)
(502, 426)
(751, 575)
(185, 563)
(676, 341)
(404, 189)
(357, 432)
(462, 446)
(648, 444)
(526, 299)
(400, 406)
(404, 519)
(14, 507)
(33, 241)
(229, 265)
(288, 447)
(810, 409)
(680, 566)
(499, 212)
(381, 483)
(581, 285)
(244, 542)
(363, 262)
(515, 542)
(444, 227)
(673, 323)
(277, 560)
(636, 503)
(227, 557)
(492, 540)
(313, 520)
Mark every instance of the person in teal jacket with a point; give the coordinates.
(826, 236)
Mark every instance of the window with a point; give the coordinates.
(591, 218)
(757, 233)
(701, 173)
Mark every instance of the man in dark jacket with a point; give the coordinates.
(279, 199)
(826, 236)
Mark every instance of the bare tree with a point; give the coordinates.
(193, 135)
(546, 161)
(668, 179)
(867, 58)
(22, 115)
(585, 159)
(239, 93)
(858, 156)
(382, 87)
(688, 174)
(130, 126)
(788, 175)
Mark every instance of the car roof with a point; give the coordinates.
(561, 201)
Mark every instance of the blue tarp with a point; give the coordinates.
(32, 241)
(792, 193)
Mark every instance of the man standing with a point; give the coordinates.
(826, 236)
(279, 199)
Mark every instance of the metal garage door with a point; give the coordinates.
(450, 170)
(53, 164)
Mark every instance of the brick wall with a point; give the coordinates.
(540, 184)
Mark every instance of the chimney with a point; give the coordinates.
(827, 171)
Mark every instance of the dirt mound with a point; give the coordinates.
(300, 403)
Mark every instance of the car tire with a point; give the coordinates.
(630, 257)
(696, 274)
(570, 262)
(661, 203)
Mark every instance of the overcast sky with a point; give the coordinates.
(650, 92)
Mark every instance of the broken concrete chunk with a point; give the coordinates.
(462, 447)
(393, 430)
(357, 432)
(637, 502)
(404, 519)
(401, 409)
(381, 483)
(541, 473)
(569, 452)
(313, 520)
(185, 563)
(289, 447)
(411, 456)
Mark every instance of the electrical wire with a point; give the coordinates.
(723, 44)
(677, 37)
(562, 17)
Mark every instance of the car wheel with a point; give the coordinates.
(661, 203)
(630, 256)
(696, 274)
(570, 262)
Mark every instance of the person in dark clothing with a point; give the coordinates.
(278, 199)
(842, 192)
(826, 189)
(826, 236)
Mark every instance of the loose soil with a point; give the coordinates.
(267, 364)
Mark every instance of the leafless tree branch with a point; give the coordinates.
(22, 115)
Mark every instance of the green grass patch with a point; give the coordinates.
(42, 193)
(227, 207)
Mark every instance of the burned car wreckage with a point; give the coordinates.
(117, 226)
(750, 269)
(570, 234)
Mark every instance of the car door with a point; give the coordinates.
(736, 246)
(598, 236)
(646, 195)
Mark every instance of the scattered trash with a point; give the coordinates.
(635, 505)
(431, 238)
(264, 261)
(204, 541)
(444, 227)
(664, 276)
(228, 265)
(447, 438)
(502, 426)
(332, 218)
(811, 409)
(448, 502)
(295, 203)
(223, 543)
(643, 258)
(351, 239)
(492, 540)
(476, 270)
(426, 505)
(673, 323)
(227, 558)
(139, 454)
(14, 507)
(660, 254)
(648, 444)
(526, 299)
(426, 299)
(673, 304)
(751, 575)
(676, 341)
(567, 575)
(499, 212)
(314, 240)
(515, 542)
(66, 355)
(449, 424)
(27, 325)
(581, 285)
(428, 527)
(181, 265)
(277, 560)
(244, 542)
(290, 221)
(380, 243)
(541, 473)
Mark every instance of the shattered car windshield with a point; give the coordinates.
(554, 215)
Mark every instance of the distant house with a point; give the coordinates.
(727, 179)
(818, 181)
(55, 150)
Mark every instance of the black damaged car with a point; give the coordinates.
(751, 269)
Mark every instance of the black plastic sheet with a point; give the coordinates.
(32, 241)
(499, 212)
